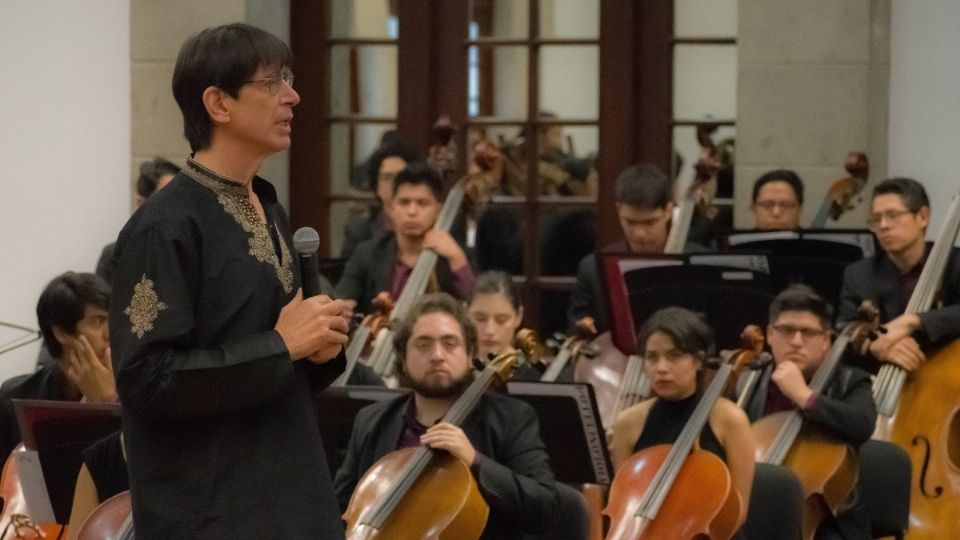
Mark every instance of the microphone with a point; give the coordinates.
(306, 241)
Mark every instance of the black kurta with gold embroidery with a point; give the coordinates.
(221, 434)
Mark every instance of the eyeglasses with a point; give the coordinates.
(770, 205)
(273, 82)
(890, 215)
(788, 331)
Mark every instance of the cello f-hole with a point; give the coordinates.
(938, 490)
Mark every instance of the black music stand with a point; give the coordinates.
(731, 290)
(816, 257)
(570, 428)
(336, 410)
(54, 433)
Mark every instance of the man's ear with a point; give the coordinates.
(63, 337)
(217, 104)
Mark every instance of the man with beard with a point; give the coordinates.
(499, 440)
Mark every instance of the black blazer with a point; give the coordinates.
(513, 470)
(875, 278)
(370, 270)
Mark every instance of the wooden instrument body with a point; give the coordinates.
(605, 373)
(827, 469)
(444, 503)
(15, 521)
(927, 426)
(109, 521)
(702, 500)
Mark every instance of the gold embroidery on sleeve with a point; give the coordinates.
(144, 307)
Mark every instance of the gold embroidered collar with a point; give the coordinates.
(215, 182)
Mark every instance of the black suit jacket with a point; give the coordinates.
(370, 270)
(513, 470)
(875, 278)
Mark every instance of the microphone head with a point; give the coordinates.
(306, 240)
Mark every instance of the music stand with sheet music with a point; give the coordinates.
(816, 257)
(54, 433)
(570, 428)
(711, 284)
(336, 410)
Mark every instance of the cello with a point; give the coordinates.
(111, 520)
(371, 324)
(472, 187)
(571, 349)
(921, 412)
(15, 521)
(842, 191)
(827, 468)
(677, 491)
(420, 492)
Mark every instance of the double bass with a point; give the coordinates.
(841, 193)
(920, 412)
(420, 492)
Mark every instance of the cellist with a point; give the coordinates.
(900, 214)
(499, 441)
(675, 343)
(799, 338)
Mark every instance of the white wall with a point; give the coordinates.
(64, 147)
(925, 98)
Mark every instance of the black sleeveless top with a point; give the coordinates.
(667, 419)
(107, 467)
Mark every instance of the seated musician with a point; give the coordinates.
(380, 170)
(72, 315)
(103, 474)
(494, 307)
(900, 214)
(500, 440)
(777, 202)
(644, 203)
(385, 263)
(675, 343)
(799, 338)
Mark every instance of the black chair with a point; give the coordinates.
(776, 500)
(884, 484)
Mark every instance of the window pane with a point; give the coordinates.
(362, 19)
(500, 76)
(705, 18)
(569, 19)
(500, 19)
(350, 147)
(705, 82)
(371, 71)
(569, 81)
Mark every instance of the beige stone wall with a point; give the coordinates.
(812, 85)
(157, 29)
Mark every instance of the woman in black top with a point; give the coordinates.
(103, 475)
(675, 343)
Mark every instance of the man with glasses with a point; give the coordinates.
(216, 352)
(799, 339)
(778, 201)
(499, 441)
(899, 218)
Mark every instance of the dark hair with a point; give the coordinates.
(396, 149)
(912, 192)
(644, 186)
(496, 282)
(419, 173)
(62, 302)
(433, 303)
(800, 297)
(688, 330)
(150, 173)
(781, 175)
(224, 57)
